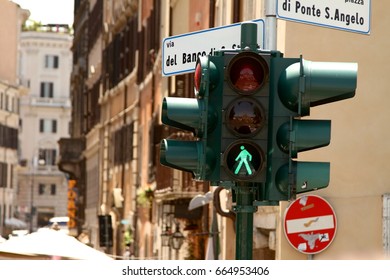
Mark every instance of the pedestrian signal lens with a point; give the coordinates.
(247, 72)
(244, 160)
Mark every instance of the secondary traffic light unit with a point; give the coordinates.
(297, 85)
(199, 115)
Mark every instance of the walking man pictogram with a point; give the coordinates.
(243, 156)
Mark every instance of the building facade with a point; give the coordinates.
(45, 66)
(358, 189)
(10, 92)
(128, 201)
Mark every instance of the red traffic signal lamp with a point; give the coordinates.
(247, 72)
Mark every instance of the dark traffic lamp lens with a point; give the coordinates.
(247, 72)
(245, 117)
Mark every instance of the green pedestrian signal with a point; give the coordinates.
(244, 160)
(243, 157)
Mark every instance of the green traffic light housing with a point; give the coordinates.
(245, 123)
(298, 136)
(200, 116)
(296, 85)
(184, 113)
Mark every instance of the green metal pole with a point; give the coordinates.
(245, 193)
(244, 221)
(249, 36)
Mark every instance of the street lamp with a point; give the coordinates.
(177, 238)
(165, 236)
(174, 240)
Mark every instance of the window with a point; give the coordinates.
(3, 175)
(41, 189)
(53, 188)
(51, 61)
(6, 103)
(8, 137)
(48, 156)
(47, 90)
(123, 144)
(47, 125)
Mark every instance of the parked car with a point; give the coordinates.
(60, 223)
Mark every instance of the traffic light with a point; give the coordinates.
(245, 116)
(296, 85)
(200, 116)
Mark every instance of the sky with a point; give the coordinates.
(49, 11)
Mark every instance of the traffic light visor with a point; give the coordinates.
(183, 113)
(306, 84)
(182, 155)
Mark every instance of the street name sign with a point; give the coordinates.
(348, 15)
(180, 53)
(310, 224)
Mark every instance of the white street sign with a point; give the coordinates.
(348, 15)
(180, 53)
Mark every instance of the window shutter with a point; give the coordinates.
(54, 126)
(41, 125)
(53, 189)
(55, 61)
(51, 90)
(42, 89)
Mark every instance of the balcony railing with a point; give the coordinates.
(50, 102)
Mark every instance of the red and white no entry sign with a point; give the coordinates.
(310, 224)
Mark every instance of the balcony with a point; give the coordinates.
(71, 155)
(50, 102)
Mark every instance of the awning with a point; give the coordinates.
(48, 242)
(15, 223)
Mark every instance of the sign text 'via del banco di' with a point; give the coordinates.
(347, 15)
(180, 53)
